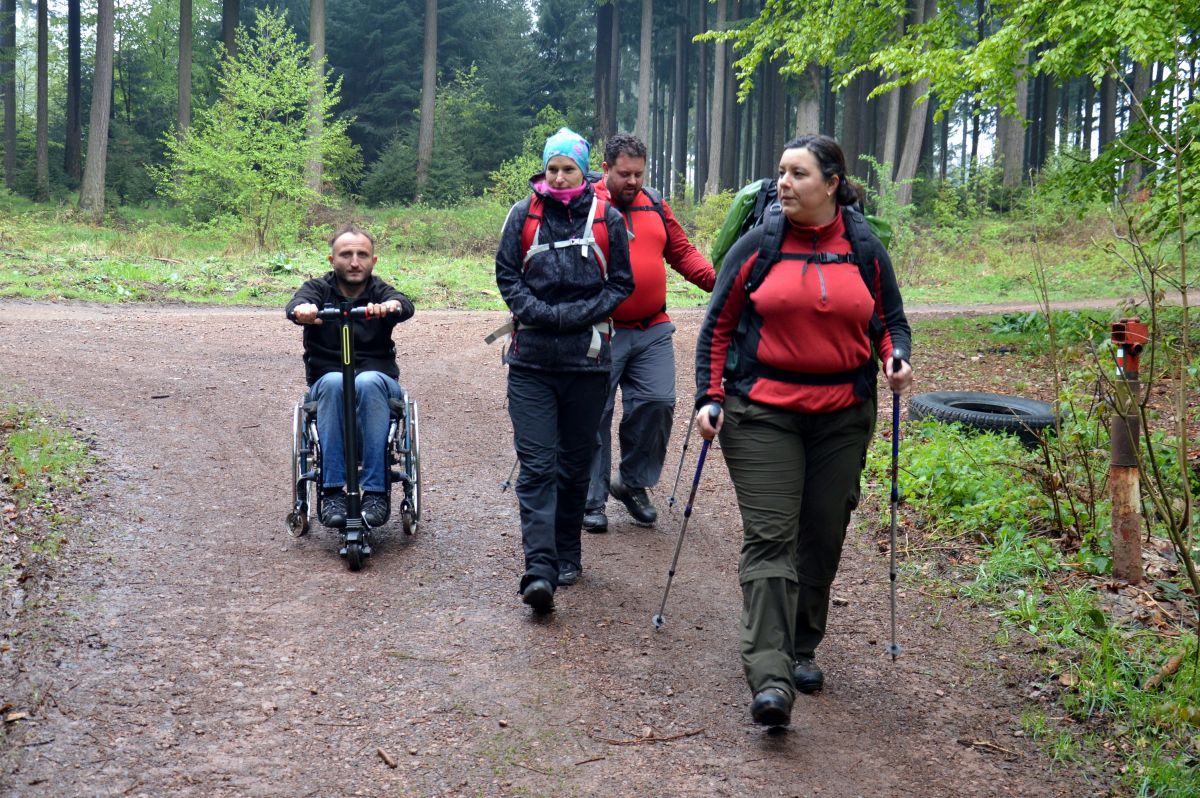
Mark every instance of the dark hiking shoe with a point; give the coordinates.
(375, 509)
(333, 508)
(595, 521)
(568, 573)
(771, 707)
(539, 594)
(636, 502)
(807, 676)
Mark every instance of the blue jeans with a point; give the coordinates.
(372, 391)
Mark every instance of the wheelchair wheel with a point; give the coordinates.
(354, 556)
(303, 488)
(410, 514)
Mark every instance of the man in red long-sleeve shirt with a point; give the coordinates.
(642, 352)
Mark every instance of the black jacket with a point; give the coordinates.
(373, 347)
(560, 294)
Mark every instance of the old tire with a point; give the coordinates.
(1025, 418)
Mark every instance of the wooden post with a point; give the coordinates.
(1129, 336)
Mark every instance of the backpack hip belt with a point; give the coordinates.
(600, 330)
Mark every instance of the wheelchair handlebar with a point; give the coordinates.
(331, 312)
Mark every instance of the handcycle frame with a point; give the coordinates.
(403, 449)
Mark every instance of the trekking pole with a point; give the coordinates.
(506, 484)
(897, 362)
(687, 436)
(658, 620)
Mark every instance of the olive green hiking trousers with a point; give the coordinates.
(797, 479)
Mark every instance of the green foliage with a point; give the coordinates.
(462, 122)
(510, 182)
(244, 157)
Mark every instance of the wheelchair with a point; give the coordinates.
(403, 468)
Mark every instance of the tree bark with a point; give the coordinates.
(1108, 111)
(641, 127)
(772, 113)
(701, 107)
(680, 114)
(808, 107)
(8, 55)
(316, 39)
(230, 12)
(91, 195)
(914, 136)
(72, 149)
(183, 117)
(720, 83)
(604, 88)
(42, 192)
(428, 92)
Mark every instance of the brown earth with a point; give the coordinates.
(193, 648)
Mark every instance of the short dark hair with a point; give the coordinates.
(623, 143)
(350, 228)
(832, 161)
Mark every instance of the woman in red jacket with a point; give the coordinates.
(791, 357)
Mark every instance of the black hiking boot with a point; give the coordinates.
(375, 509)
(539, 594)
(333, 508)
(568, 573)
(595, 521)
(771, 707)
(807, 676)
(636, 502)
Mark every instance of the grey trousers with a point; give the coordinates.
(797, 479)
(643, 367)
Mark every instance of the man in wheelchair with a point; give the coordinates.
(376, 372)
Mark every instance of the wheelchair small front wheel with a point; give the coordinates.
(408, 521)
(297, 523)
(354, 556)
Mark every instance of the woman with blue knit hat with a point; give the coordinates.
(562, 267)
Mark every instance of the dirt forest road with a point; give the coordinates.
(198, 650)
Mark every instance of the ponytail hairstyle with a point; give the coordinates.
(832, 162)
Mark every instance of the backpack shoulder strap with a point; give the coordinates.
(533, 222)
(862, 241)
(770, 245)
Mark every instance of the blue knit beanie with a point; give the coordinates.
(569, 143)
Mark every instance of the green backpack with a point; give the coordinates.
(747, 210)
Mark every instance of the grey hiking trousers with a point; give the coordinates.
(643, 367)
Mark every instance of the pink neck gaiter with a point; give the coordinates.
(563, 195)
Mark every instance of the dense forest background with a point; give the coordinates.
(977, 94)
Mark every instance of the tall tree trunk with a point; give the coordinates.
(657, 161)
(808, 107)
(428, 92)
(91, 195)
(914, 135)
(679, 138)
(701, 107)
(8, 70)
(604, 88)
(230, 12)
(316, 39)
(641, 127)
(183, 117)
(1089, 116)
(72, 146)
(773, 112)
(852, 113)
(1010, 132)
(1108, 111)
(944, 143)
(828, 104)
(42, 192)
(1049, 115)
(1135, 167)
(720, 81)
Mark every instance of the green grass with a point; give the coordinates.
(983, 497)
(444, 256)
